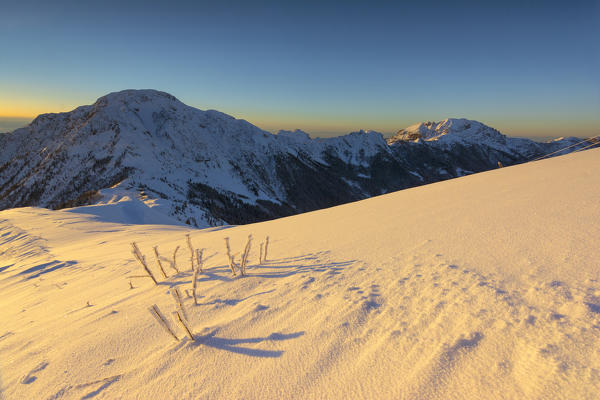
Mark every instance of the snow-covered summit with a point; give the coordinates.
(296, 134)
(133, 97)
(452, 133)
(461, 127)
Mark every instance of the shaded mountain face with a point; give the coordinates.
(207, 168)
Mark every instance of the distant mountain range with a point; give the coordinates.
(206, 168)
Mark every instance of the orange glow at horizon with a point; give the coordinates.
(29, 110)
(318, 125)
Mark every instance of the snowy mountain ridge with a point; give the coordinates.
(208, 168)
(465, 131)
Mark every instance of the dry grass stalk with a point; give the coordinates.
(260, 257)
(199, 253)
(155, 311)
(230, 257)
(194, 286)
(235, 265)
(138, 255)
(266, 249)
(159, 262)
(183, 323)
(179, 301)
(174, 262)
(189, 243)
(245, 255)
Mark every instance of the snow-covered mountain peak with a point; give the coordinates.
(448, 129)
(130, 112)
(357, 147)
(367, 132)
(136, 96)
(297, 135)
(142, 103)
(367, 136)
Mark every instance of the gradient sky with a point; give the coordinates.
(528, 68)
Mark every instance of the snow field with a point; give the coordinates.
(480, 287)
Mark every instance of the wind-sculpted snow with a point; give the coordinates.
(208, 168)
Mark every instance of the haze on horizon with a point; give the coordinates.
(525, 68)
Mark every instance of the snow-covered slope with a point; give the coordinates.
(206, 168)
(486, 286)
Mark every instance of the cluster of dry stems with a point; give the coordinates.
(180, 316)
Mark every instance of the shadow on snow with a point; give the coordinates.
(233, 345)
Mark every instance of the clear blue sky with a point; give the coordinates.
(528, 68)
